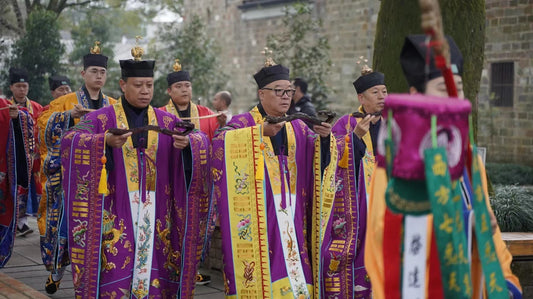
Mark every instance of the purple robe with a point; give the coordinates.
(343, 271)
(304, 224)
(106, 239)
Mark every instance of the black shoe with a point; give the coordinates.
(24, 230)
(202, 279)
(51, 286)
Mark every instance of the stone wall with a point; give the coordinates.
(241, 33)
(507, 132)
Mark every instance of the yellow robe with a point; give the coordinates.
(374, 240)
(52, 123)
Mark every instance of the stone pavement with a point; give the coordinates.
(24, 275)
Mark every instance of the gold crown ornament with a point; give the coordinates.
(365, 69)
(177, 65)
(269, 61)
(137, 52)
(96, 48)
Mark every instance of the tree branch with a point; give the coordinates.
(64, 5)
(18, 14)
(8, 26)
(77, 4)
(52, 5)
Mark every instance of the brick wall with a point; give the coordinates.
(507, 132)
(349, 25)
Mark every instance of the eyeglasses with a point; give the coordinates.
(281, 92)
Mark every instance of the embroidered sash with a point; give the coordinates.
(247, 207)
(369, 159)
(85, 206)
(139, 166)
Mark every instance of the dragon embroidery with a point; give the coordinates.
(241, 180)
(291, 253)
(173, 257)
(110, 237)
(82, 190)
(248, 274)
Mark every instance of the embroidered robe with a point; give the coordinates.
(142, 239)
(29, 193)
(273, 204)
(343, 269)
(377, 265)
(53, 123)
(9, 204)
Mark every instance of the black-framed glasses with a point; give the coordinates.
(280, 92)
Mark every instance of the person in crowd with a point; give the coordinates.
(27, 159)
(387, 221)
(301, 102)
(59, 86)
(12, 120)
(180, 103)
(343, 269)
(63, 113)
(221, 102)
(267, 182)
(136, 219)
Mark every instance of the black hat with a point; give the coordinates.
(178, 75)
(94, 58)
(137, 68)
(57, 80)
(17, 75)
(368, 80)
(269, 74)
(413, 61)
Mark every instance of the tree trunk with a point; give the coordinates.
(462, 20)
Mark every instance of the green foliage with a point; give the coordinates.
(463, 20)
(12, 13)
(509, 174)
(513, 208)
(94, 25)
(198, 54)
(304, 49)
(39, 52)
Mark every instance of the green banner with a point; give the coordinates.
(494, 280)
(448, 225)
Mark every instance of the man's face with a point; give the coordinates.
(218, 103)
(60, 91)
(276, 97)
(94, 77)
(373, 99)
(138, 91)
(20, 91)
(437, 87)
(180, 92)
(298, 94)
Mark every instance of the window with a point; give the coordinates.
(263, 9)
(250, 4)
(502, 83)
